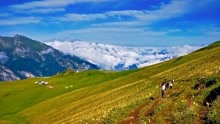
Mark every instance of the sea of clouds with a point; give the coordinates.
(111, 57)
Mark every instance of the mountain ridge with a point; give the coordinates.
(24, 57)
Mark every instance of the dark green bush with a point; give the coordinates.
(212, 96)
(210, 81)
(205, 82)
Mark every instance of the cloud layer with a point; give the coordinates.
(112, 57)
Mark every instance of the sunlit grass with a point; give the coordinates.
(108, 97)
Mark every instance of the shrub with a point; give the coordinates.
(214, 113)
(212, 96)
(210, 81)
(196, 86)
(207, 82)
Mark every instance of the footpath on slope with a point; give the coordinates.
(134, 116)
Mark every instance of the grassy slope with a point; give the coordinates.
(19, 95)
(98, 96)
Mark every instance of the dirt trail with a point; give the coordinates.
(133, 116)
(150, 111)
(153, 120)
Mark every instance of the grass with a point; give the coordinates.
(213, 115)
(13, 94)
(108, 97)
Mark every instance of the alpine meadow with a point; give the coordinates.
(130, 96)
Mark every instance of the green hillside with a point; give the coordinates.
(120, 97)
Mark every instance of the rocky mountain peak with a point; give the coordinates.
(22, 56)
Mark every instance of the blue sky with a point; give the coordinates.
(118, 22)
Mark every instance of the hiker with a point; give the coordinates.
(171, 83)
(163, 88)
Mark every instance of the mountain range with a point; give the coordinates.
(22, 57)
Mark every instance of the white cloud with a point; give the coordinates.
(26, 74)
(4, 14)
(42, 10)
(213, 33)
(146, 17)
(125, 35)
(51, 4)
(210, 30)
(111, 31)
(20, 20)
(100, 30)
(138, 17)
(48, 51)
(133, 13)
(3, 57)
(81, 17)
(48, 6)
(112, 57)
(174, 9)
(135, 26)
